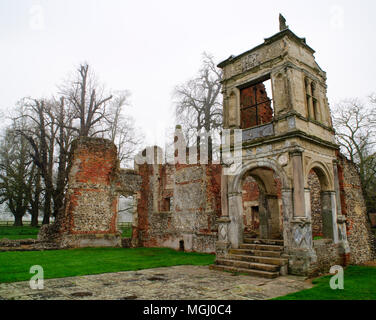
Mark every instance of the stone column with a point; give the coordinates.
(223, 242)
(297, 236)
(236, 217)
(298, 178)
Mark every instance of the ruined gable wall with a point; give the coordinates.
(89, 215)
(353, 207)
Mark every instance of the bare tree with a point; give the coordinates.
(41, 134)
(87, 100)
(64, 138)
(35, 195)
(198, 103)
(356, 134)
(16, 174)
(121, 130)
(50, 125)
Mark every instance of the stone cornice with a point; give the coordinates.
(268, 41)
(291, 134)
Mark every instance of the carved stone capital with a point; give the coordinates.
(296, 152)
(301, 221)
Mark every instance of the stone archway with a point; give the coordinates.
(262, 187)
(322, 200)
(273, 198)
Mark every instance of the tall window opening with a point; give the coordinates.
(312, 100)
(308, 97)
(315, 102)
(256, 104)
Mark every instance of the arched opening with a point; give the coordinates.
(321, 204)
(262, 204)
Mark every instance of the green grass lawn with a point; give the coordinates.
(15, 266)
(359, 284)
(13, 233)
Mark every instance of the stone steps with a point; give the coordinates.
(250, 272)
(256, 257)
(266, 247)
(259, 253)
(263, 241)
(247, 265)
(259, 259)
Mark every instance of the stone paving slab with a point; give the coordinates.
(170, 283)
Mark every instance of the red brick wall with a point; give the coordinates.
(91, 208)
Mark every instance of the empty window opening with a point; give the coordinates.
(181, 245)
(167, 204)
(126, 210)
(256, 104)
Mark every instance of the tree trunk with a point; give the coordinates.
(18, 221)
(34, 220)
(47, 208)
(210, 150)
(46, 219)
(61, 181)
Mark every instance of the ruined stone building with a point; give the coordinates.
(293, 206)
(295, 202)
(178, 205)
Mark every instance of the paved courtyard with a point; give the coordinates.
(171, 283)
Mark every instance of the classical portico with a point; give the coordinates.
(275, 94)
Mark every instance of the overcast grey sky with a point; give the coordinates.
(148, 47)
